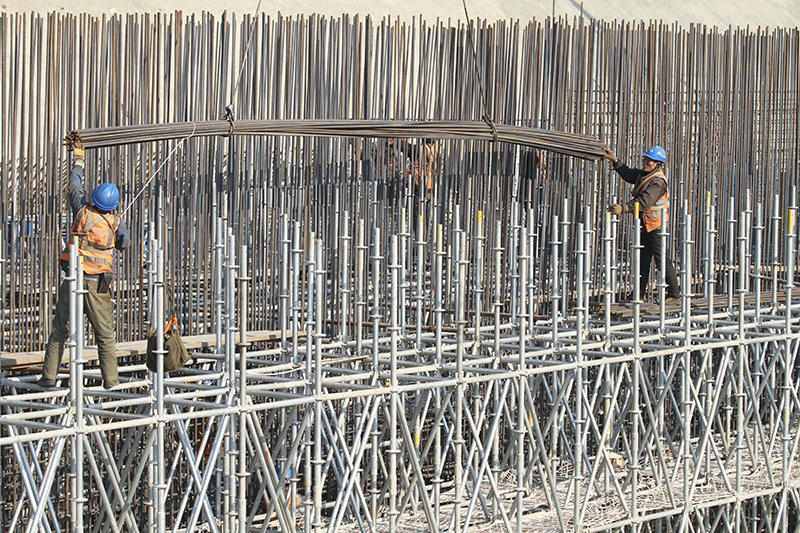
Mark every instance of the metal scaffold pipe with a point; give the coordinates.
(406, 304)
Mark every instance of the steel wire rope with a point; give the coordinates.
(486, 117)
(229, 107)
(166, 159)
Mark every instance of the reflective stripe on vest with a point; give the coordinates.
(652, 215)
(97, 237)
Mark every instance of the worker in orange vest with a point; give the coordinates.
(651, 192)
(428, 165)
(100, 232)
(425, 164)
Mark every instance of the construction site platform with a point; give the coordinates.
(719, 302)
(25, 362)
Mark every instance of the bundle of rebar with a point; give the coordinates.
(441, 354)
(724, 107)
(576, 145)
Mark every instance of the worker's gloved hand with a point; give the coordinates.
(616, 209)
(610, 155)
(78, 153)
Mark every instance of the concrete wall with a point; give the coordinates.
(721, 13)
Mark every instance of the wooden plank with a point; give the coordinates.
(625, 310)
(24, 360)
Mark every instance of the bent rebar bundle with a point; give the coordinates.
(570, 144)
(370, 355)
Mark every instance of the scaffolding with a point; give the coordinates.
(371, 356)
(389, 420)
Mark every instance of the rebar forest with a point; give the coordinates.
(387, 247)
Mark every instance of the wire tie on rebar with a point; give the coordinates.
(229, 118)
(490, 122)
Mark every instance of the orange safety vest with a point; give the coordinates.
(429, 166)
(427, 177)
(97, 237)
(652, 215)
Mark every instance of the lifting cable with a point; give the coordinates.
(228, 113)
(229, 107)
(166, 159)
(486, 117)
(581, 146)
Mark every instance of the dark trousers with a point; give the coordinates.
(97, 307)
(421, 202)
(651, 251)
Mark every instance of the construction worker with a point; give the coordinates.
(100, 232)
(429, 165)
(651, 192)
(532, 176)
(389, 161)
(425, 166)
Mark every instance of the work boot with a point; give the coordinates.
(46, 383)
(110, 384)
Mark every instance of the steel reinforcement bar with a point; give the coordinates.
(570, 144)
(395, 418)
(723, 104)
(465, 359)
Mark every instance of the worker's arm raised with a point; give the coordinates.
(631, 175)
(75, 193)
(78, 154)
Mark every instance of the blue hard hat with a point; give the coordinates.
(105, 196)
(656, 153)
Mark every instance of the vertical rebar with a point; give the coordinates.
(633, 462)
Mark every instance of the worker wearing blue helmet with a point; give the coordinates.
(651, 192)
(100, 232)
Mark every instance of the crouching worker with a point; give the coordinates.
(100, 232)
